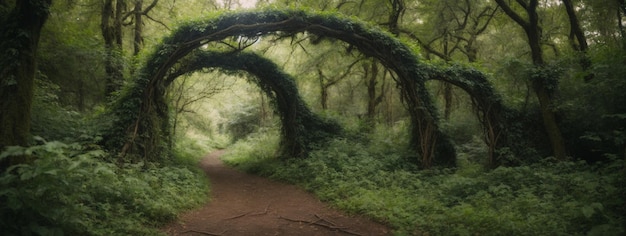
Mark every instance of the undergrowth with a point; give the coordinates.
(68, 190)
(256, 153)
(371, 177)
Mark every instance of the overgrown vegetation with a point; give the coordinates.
(69, 190)
(73, 187)
(368, 177)
(56, 81)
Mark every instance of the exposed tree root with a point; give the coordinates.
(317, 222)
(204, 232)
(250, 213)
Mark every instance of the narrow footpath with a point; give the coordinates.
(243, 204)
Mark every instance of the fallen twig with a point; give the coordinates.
(262, 213)
(342, 229)
(238, 216)
(324, 219)
(204, 232)
(249, 213)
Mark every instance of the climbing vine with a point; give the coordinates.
(502, 133)
(141, 113)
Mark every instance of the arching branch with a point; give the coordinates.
(433, 147)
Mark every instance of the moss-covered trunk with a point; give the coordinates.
(543, 86)
(19, 38)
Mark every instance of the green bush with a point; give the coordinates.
(71, 191)
(254, 152)
(245, 121)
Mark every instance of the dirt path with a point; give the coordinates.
(243, 204)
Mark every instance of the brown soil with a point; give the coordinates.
(243, 204)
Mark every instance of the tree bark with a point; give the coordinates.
(544, 94)
(138, 40)
(397, 10)
(111, 27)
(19, 34)
(577, 38)
(374, 98)
(323, 90)
(575, 29)
(138, 13)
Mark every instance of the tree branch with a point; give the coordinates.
(424, 45)
(489, 16)
(516, 17)
(157, 21)
(152, 5)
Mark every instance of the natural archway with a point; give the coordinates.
(497, 120)
(144, 108)
(300, 127)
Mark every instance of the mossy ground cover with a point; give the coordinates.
(372, 178)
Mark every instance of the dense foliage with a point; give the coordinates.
(73, 187)
(71, 190)
(366, 177)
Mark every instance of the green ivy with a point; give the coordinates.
(149, 84)
(393, 53)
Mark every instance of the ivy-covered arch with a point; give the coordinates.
(500, 129)
(148, 119)
(300, 127)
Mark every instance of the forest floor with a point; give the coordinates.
(244, 204)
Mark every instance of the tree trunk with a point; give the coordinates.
(373, 98)
(138, 40)
(549, 121)
(578, 39)
(397, 10)
(20, 34)
(264, 111)
(580, 44)
(111, 27)
(544, 94)
(324, 98)
(323, 90)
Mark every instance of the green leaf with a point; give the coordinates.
(12, 151)
(588, 211)
(14, 203)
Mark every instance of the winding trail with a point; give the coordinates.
(244, 204)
